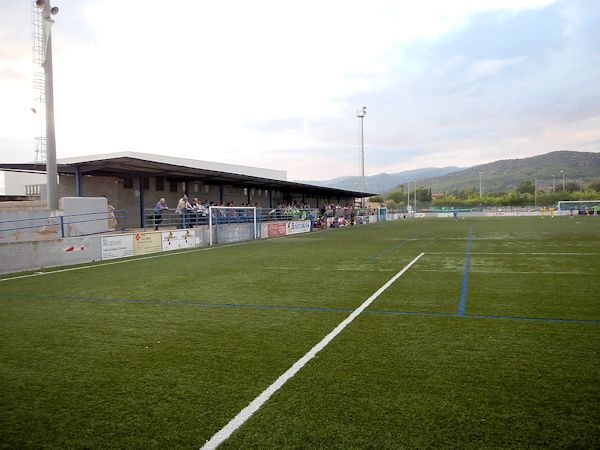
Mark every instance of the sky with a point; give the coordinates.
(277, 83)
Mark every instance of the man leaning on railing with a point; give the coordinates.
(158, 211)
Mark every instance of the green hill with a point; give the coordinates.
(504, 175)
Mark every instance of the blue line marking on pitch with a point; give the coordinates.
(534, 319)
(300, 308)
(480, 316)
(463, 288)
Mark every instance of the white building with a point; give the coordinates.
(21, 184)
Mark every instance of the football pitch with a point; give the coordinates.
(490, 338)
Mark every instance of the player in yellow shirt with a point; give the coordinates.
(552, 212)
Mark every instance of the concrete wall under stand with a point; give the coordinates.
(33, 255)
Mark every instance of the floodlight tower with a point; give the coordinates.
(361, 115)
(46, 62)
(39, 80)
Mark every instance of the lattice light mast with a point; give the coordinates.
(362, 186)
(42, 51)
(39, 81)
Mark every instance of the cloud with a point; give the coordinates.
(491, 67)
(275, 84)
(8, 73)
(278, 126)
(520, 88)
(16, 150)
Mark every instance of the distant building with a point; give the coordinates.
(21, 185)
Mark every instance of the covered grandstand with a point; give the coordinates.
(133, 182)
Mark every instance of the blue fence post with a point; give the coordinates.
(62, 226)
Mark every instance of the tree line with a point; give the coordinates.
(526, 193)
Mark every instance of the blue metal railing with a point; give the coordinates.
(169, 218)
(117, 219)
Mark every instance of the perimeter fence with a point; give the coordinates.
(65, 225)
(322, 218)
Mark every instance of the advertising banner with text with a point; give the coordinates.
(117, 246)
(297, 226)
(144, 243)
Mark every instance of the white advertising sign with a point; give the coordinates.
(297, 226)
(117, 246)
(177, 239)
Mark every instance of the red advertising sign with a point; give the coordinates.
(276, 229)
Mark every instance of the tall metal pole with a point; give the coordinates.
(51, 171)
(563, 174)
(480, 190)
(553, 184)
(362, 157)
(361, 115)
(415, 196)
(535, 192)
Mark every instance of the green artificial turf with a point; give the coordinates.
(163, 352)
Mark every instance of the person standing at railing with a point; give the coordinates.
(182, 207)
(158, 211)
(112, 220)
(198, 211)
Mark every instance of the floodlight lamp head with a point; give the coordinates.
(40, 3)
(54, 10)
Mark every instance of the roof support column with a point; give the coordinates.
(248, 189)
(142, 215)
(78, 182)
(270, 198)
(221, 194)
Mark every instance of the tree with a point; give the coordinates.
(396, 195)
(572, 186)
(526, 187)
(423, 195)
(594, 186)
(376, 199)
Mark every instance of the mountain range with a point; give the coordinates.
(548, 170)
(384, 181)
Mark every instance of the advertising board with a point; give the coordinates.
(144, 243)
(276, 229)
(297, 226)
(117, 246)
(177, 239)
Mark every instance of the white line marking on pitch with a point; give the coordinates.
(255, 404)
(519, 253)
